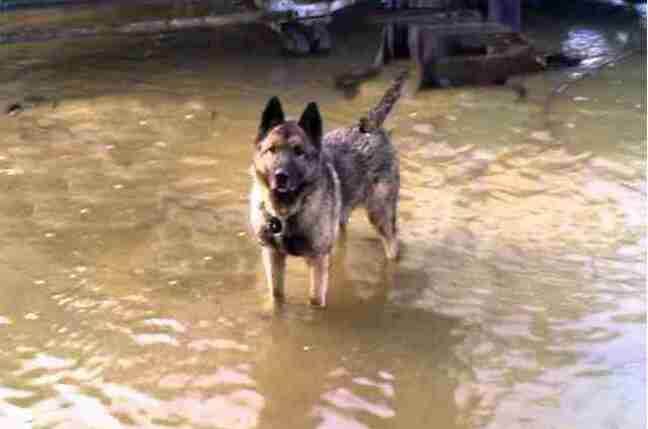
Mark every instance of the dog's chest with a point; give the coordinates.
(294, 242)
(286, 235)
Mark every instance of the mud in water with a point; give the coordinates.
(133, 296)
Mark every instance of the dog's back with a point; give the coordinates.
(364, 157)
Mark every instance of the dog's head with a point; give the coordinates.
(287, 155)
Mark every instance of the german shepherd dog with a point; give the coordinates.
(305, 186)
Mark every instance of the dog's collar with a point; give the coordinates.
(274, 223)
(277, 222)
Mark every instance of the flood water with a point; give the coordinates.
(133, 296)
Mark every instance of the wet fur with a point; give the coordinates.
(331, 175)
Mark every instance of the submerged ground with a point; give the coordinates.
(132, 295)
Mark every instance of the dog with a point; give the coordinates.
(305, 186)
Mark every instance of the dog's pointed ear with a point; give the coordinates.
(273, 115)
(311, 123)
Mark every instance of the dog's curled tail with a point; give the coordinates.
(378, 114)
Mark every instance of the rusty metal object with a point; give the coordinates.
(482, 58)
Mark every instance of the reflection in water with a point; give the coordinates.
(589, 43)
(132, 295)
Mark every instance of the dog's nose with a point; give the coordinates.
(281, 178)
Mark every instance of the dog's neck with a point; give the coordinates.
(267, 206)
(271, 214)
(297, 224)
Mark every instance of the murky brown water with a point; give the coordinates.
(133, 297)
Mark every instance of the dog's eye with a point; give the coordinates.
(271, 149)
(298, 150)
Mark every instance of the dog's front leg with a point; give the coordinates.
(319, 275)
(274, 263)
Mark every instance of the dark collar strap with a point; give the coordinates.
(274, 224)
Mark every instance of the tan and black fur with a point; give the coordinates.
(305, 186)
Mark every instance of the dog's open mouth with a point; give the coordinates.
(285, 195)
(282, 190)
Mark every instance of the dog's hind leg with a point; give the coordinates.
(382, 206)
(274, 263)
(319, 276)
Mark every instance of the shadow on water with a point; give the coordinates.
(361, 362)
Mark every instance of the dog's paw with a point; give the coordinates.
(278, 295)
(317, 302)
(392, 249)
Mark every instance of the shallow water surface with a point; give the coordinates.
(133, 295)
